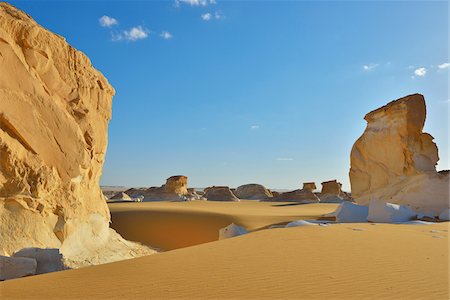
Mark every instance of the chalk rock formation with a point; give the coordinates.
(48, 260)
(253, 192)
(219, 193)
(121, 196)
(231, 230)
(300, 196)
(175, 189)
(394, 161)
(349, 212)
(54, 112)
(381, 212)
(332, 192)
(16, 267)
(309, 186)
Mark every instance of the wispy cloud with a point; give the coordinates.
(254, 127)
(166, 35)
(107, 21)
(206, 16)
(369, 67)
(195, 2)
(444, 65)
(421, 72)
(284, 159)
(132, 35)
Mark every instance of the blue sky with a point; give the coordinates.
(275, 93)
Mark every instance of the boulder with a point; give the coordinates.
(331, 187)
(231, 230)
(48, 260)
(382, 212)
(300, 196)
(176, 184)
(394, 161)
(348, 212)
(54, 113)
(16, 267)
(309, 186)
(253, 192)
(219, 193)
(332, 193)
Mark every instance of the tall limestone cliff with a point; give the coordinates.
(394, 161)
(54, 113)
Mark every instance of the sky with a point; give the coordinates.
(269, 92)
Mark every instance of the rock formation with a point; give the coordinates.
(121, 196)
(54, 113)
(331, 187)
(175, 189)
(219, 193)
(253, 192)
(300, 196)
(16, 267)
(394, 161)
(48, 260)
(311, 186)
(332, 192)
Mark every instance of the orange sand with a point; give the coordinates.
(344, 261)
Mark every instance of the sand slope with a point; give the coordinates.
(173, 225)
(344, 261)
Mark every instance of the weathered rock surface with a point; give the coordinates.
(394, 161)
(300, 196)
(54, 112)
(231, 230)
(252, 192)
(332, 192)
(175, 189)
(309, 186)
(16, 267)
(48, 260)
(121, 196)
(331, 187)
(219, 193)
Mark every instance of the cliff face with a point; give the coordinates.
(395, 161)
(54, 113)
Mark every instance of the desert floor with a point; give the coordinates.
(338, 261)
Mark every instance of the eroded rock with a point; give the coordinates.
(394, 161)
(300, 196)
(16, 267)
(48, 260)
(252, 191)
(219, 193)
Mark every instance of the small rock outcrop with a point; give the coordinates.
(394, 161)
(219, 193)
(311, 186)
(16, 267)
(231, 230)
(121, 196)
(332, 192)
(252, 191)
(54, 113)
(300, 196)
(48, 260)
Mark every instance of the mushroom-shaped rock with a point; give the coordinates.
(311, 186)
(253, 191)
(331, 187)
(54, 113)
(300, 196)
(219, 193)
(394, 161)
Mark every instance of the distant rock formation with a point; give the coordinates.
(219, 193)
(300, 196)
(311, 186)
(253, 191)
(175, 189)
(394, 161)
(332, 192)
(121, 196)
(54, 113)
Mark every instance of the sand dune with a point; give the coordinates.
(173, 225)
(342, 261)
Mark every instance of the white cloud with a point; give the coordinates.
(206, 16)
(209, 16)
(132, 35)
(166, 35)
(420, 71)
(106, 21)
(284, 159)
(254, 127)
(370, 67)
(444, 65)
(195, 2)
